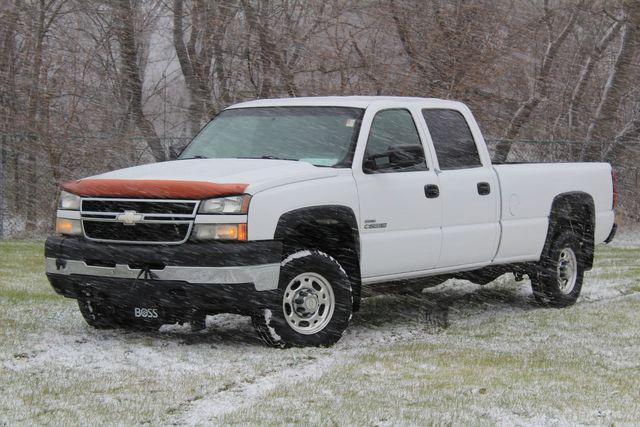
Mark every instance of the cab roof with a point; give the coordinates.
(346, 101)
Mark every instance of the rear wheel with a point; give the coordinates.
(558, 279)
(312, 306)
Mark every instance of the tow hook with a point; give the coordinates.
(60, 263)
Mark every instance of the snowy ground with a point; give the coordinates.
(455, 354)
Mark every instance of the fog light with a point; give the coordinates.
(69, 227)
(220, 232)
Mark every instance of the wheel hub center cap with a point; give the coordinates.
(311, 303)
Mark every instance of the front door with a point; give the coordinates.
(400, 207)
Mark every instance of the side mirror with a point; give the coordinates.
(374, 162)
(403, 157)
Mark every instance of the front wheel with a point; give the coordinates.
(558, 279)
(96, 315)
(312, 306)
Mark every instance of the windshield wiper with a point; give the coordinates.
(267, 157)
(194, 157)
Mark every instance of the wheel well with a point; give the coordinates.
(330, 229)
(576, 212)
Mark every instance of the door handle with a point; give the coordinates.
(431, 191)
(484, 188)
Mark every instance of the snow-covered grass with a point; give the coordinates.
(453, 354)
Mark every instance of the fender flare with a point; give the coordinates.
(571, 199)
(322, 215)
(325, 217)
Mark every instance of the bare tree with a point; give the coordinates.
(87, 79)
(576, 104)
(270, 54)
(540, 87)
(9, 19)
(203, 52)
(623, 77)
(45, 13)
(131, 77)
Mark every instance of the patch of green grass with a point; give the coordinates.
(78, 396)
(535, 370)
(22, 270)
(497, 359)
(18, 256)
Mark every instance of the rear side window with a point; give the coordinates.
(394, 144)
(452, 139)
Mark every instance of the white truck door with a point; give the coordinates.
(469, 190)
(400, 207)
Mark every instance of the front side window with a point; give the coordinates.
(394, 144)
(322, 136)
(452, 139)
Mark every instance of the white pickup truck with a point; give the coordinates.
(284, 209)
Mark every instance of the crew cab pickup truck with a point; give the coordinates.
(285, 209)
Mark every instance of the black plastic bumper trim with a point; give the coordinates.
(189, 254)
(176, 296)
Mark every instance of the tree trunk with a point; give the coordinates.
(405, 39)
(622, 79)
(8, 98)
(131, 79)
(577, 98)
(224, 13)
(540, 89)
(268, 50)
(187, 66)
(33, 139)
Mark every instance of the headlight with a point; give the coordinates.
(69, 201)
(68, 227)
(225, 205)
(219, 232)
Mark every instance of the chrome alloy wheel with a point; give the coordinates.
(567, 270)
(308, 303)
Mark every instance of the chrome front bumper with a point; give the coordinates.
(264, 277)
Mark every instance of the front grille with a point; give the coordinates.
(138, 221)
(169, 233)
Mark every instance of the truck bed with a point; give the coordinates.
(528, 191)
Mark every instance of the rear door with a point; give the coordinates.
(468, 189)
(400, 211)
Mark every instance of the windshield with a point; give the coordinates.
(323, 136)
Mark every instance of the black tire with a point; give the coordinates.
(95, 315)
(326, 282)
(549, 283)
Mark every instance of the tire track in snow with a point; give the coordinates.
(210, 408)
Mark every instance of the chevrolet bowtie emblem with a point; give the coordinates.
(129, 218)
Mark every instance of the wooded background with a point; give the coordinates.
(88, 86)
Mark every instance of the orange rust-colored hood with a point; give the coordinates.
(151, 189)
(197, 178)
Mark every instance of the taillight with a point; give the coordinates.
(614, 182)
